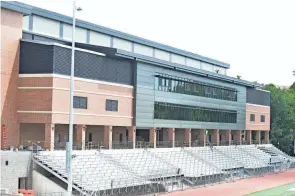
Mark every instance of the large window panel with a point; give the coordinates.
(100, 39)
(46, 26)
(80, 33)
(122, 44)
(144, 50)
(161, 54)
(169, 111)
(174, 84)
(193, 63)
(177, 59)
(207, 66)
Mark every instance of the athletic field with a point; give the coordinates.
(279, 184)
(284, 190)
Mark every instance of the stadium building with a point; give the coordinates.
(132, 94)
(127, 89)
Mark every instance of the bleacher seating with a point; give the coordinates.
(115, 169)
(216, 157)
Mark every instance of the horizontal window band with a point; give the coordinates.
(75, 113)
(194, 82)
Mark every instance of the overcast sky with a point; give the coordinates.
(257, 38)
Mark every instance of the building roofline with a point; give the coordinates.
(157, 62)
(28, 9)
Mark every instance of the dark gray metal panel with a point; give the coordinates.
(146, 95)
(42, 58)
(258, 97)
(35, 58)
(92, 66)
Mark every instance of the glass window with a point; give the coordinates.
(190, 87)
(262, 118)
(112, 105)
(252, 117)
(193, 113)
(80, 102)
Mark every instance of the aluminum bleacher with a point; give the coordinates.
(153, 170)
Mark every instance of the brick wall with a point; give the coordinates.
(11, 32)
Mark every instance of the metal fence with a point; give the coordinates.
(148, 171)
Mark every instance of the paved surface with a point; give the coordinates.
(241, 187)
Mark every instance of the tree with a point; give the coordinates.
(282, 117)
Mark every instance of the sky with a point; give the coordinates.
(257, 38)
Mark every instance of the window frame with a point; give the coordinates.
(262, 118)
(252, 117)
(78, 100)
(112, 105)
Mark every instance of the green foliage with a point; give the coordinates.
(282, 117)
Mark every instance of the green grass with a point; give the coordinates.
(277, 191)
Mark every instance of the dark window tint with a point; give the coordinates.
(252, 117)
(171, 111)
(111, 105)
(192, 87)
(80, 102)
(262, 118)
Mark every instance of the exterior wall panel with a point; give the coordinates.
(257, 111)
(41, 25)
(122, 44)
(80, 33)
(100, 39)
(161, 54)
(142, 49)
(146, 93)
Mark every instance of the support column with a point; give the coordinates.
(237, 137)
(171, 136)
(258, 137)
(228, 137)
(132, 136)
(215, 137)
(188, 136)
(266, 137)
(249, 136)
(80, 136)
(49, 136)
(108, 137)
(202, 137)
(153, 137)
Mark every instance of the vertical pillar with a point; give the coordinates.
(171, 136)
(49, 136)
(202, 137)
(237, 137)
(132, 136)
(228, 137)
(249, 136)
(258, 137)
(188, 137)
(153, 137)
(108, 136)
(80, 136)
(266, 137)
(215, 137)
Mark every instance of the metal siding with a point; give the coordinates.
(146, 95)
(92, 66)
(35, 58)
(258, 97)
(39, 58)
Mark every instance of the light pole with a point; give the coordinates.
(71, 115)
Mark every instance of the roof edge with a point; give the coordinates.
(112, 32)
